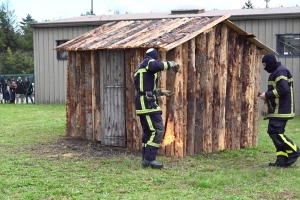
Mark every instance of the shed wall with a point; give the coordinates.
(265, 31)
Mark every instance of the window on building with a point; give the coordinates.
(288, 45)
(61, 55)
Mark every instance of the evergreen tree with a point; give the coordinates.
(248, 5)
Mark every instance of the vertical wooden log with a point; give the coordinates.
(71, 95)
(162, 83)
(247, 96)
(96, 117)
(191, 98)
(184, 68)
(219, 88)
(130, 93)
(216, 126)
(170, 134)
(231, 91)
(178, 104)
(80, 101)
(223, 82)
(239, 49)
(201, 68)
(208, 93)
(88, 95)
(257, 64)
(137, 58)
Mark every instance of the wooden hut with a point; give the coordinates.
(215, 105)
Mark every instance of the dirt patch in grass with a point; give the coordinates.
(72, 147)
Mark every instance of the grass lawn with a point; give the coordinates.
(32, 167)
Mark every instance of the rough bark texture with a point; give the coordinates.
(71, 94)
(208, 93)
(201, 66)
(163, 100)
(191, 98)
(257, 64)
(96, 108)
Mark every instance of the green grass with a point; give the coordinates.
(32, 168)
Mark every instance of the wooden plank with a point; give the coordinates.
(138, 56)
(223, 82)
(237, 127)
(96, 117)
(130, 92)
(71, 95)
(88, 95)
(184, 69)
(216, 114)
(256, 64)
(208, 93)
(169, 134)
(247, 96)
(191, 98)
(103, 102)
(201, 67)
(81, 97)
(77, 97)
(162, 83)
(231, 92)
(195, 33)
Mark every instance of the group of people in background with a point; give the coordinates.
(15, 92)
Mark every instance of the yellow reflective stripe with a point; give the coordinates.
(281, 153)
(142, 82)
(290, 115)
(155, 77)
(289, 151)
(147, 67)
(284, 78)
(292, 99)
(144, 144)
(165, 65)
(275, 93)
(294, 147)
(152, 129)
(140, 71)
(273, 83)
(146, 111)
(142, 102)
(276, 105)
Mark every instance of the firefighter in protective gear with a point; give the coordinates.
(146, 105)
(281, 108)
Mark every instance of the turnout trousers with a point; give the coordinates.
(286, 151)
(153, 132)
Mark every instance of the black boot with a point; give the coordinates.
(152, 164)
(280, 162)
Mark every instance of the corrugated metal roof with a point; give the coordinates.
(164, 34)
(235, 13)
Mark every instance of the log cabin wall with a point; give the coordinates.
(214, 107)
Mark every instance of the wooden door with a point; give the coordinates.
(112, 88)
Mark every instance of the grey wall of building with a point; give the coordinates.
(265, 31)
(50, 73)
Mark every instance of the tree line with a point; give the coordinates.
(16, 43)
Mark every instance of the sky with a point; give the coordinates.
(42, 10)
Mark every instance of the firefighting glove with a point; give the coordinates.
(264, 111)
(161, 92)
(167, 93)
(174, 66)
